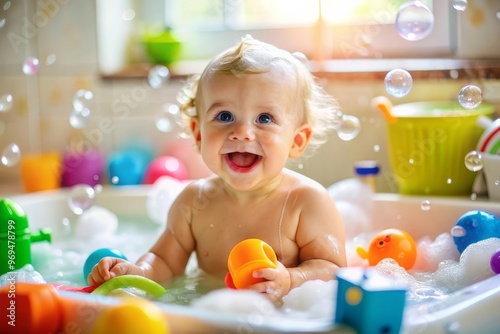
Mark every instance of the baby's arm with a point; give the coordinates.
(321, 242)
(168, 256)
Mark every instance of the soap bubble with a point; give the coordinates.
(79, 118)
(81, 198)
(398, 82)
(470, 97)
(349, 127)
(157, 76)
(51, 59)
(82, 103)
(425, 205)
(6, 102)
(414, 20)
(2, 23)
(11, 155)
(167, 119)
(83, 99)
(473, 161)
(30, 66)
(460, 5)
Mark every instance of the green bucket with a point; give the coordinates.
(428, 143)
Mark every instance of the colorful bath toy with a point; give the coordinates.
(130, 281)
(132, 316)
(30, 308)
(96, 256)
(33, 308)
(246, 257)
(82, 168)
(391, 243)
(165, 166)
(368, 301)
(489, 142)
(16, 237)
(41, 171)
(495, 262)
(127, 167)
(474, 226)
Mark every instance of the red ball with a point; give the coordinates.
(165, 166)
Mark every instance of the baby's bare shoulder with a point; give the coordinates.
(305, 186)
(202, 188)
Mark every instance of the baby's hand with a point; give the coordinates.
(277, 284)
(109, 267)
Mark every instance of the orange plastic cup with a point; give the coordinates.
(41, 171)
(30, 308)
(246, 257)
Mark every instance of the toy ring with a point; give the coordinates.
(133, 281)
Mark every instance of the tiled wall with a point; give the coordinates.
(125, 109)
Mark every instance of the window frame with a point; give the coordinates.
(324, 41)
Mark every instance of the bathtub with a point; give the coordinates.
(473, 309)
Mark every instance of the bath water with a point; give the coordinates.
(439, 270)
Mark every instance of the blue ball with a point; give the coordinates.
(474, 226)
(96, 256)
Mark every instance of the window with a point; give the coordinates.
(319, 28)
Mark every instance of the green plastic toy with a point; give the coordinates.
(16, 237)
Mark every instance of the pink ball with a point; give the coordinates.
(165, 166)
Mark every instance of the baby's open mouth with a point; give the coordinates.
(242, 161)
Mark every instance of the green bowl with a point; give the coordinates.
(163, 48)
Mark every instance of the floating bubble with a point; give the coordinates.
(115, 180)
(98, 188)
(470, 97)
(6, 5)
(82, 104)
(83, 99)
(51, 59)
(349, 127)
(425, 205)
(2, 23)
(31, 66)
(81, 198)
(167, 119)
(11, 155)
(414, 20)
(158, 76)
(128, 15)
(398, 82)
(6, 101)
(460, 5)
(79, 118)
(473, 161)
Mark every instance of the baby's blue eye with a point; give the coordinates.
(265, 118)
(225, 116)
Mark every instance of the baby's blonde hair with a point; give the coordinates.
(319, 109)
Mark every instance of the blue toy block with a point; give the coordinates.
(369, 301)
